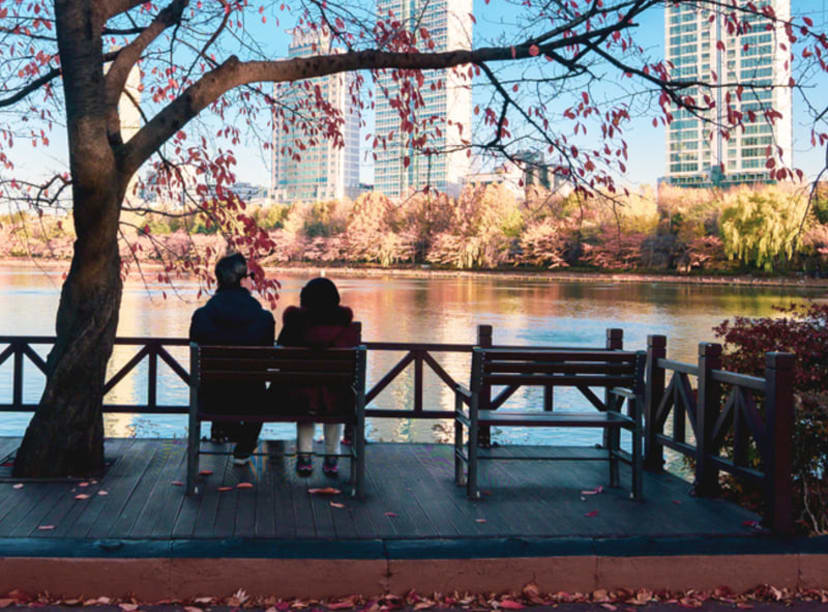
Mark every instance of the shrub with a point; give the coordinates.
(803, 331)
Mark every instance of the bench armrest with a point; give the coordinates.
(621, 392)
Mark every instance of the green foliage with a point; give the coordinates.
(759, 227)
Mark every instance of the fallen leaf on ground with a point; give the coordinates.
(508, 604)
(205, 472)
(83, 484)
(337, 505)
(595, 491)
(677, 502)
(324, 491)
(224, 489)
(19, 485)
(204, 600)
(177, 483)
(45, 527)
(340, 605)
(591, 514)
(192, 609)
(390, 514)
(244, 485)
(479, 520)
(103, 492)
(753, 524)
(609, 606)
(128, 607)
(81, 496)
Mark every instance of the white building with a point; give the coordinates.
(697, 153)
(310, 167)
(399, 168)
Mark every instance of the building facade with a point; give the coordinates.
(309, 167)
(697, 153)
(399, 168)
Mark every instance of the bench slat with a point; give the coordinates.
(281, 352)
(297, 378)
(253, 365)
(573, 355)
(553, 419)
(551, 380)
(558, 367)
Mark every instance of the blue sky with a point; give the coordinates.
(646, 143)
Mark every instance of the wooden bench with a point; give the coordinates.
(619, 373)
(288, 366)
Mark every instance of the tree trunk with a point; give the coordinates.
(65, 436)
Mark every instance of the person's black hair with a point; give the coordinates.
(231, 270)
(319, 295)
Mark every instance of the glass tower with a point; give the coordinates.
(698, 154)
(444, 119)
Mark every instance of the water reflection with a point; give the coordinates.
(435, 310)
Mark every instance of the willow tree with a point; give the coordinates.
(548, 75)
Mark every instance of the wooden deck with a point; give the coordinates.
(410, 495)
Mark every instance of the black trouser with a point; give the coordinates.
(245, 435)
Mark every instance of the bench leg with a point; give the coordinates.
(459, 472)
(638, 458)
(472, 490)
(193, 442)
(613, 437)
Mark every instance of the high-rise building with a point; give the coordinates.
(310, 167)
(443, 163)
(698, 154)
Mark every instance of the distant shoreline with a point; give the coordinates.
(554, 275)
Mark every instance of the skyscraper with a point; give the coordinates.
(399, 168)
(309, 167)
(698, 154)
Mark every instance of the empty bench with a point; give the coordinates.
(291, 369)
(619, 373)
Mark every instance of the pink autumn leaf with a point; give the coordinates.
(480, 520)
(83, 484)
(591, 514)
(244, 485)
(324, 491)
(337, 505)
(391, 514)
(508, 604)
(103, 492)
(19, 485)
(81, 496)
(45, 527)
(177, 483)
(205, 472)
(224, 489)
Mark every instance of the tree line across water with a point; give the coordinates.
(772, 228)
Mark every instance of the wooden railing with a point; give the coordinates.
(747, 409)
(420, 356)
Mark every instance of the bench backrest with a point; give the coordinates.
(554, 368)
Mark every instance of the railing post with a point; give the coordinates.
(654, 392)
(708, 399)
(17, 392)
(779, 411)
(152, 375)
(484, 340)
(614, 342)
(418, 382)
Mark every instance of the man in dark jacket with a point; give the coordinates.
(233, 317)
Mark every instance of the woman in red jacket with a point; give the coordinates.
(319, 322)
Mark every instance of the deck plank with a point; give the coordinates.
(414, 481)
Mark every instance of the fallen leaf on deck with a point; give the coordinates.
(128, 607)
(324, 491)
(192, 609)
(508, 604)
(177, 483)
(83, 484)
(609, 606)
(341, 605)
(744, 606)
(337, 505)
(480, 520)
(81, 496)
(595, 491)
(45, 527)
(19, 485)
(753, 524)
(103, 492)
(677, 502)
(591, 514)
(390, 514)
(205, 472)
(244, 485)
(224, 489)
(204, 600)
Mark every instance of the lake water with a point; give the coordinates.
(394, 308)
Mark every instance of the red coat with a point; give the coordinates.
(333, 329)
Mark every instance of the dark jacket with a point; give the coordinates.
(331, 329)
(232, 317)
